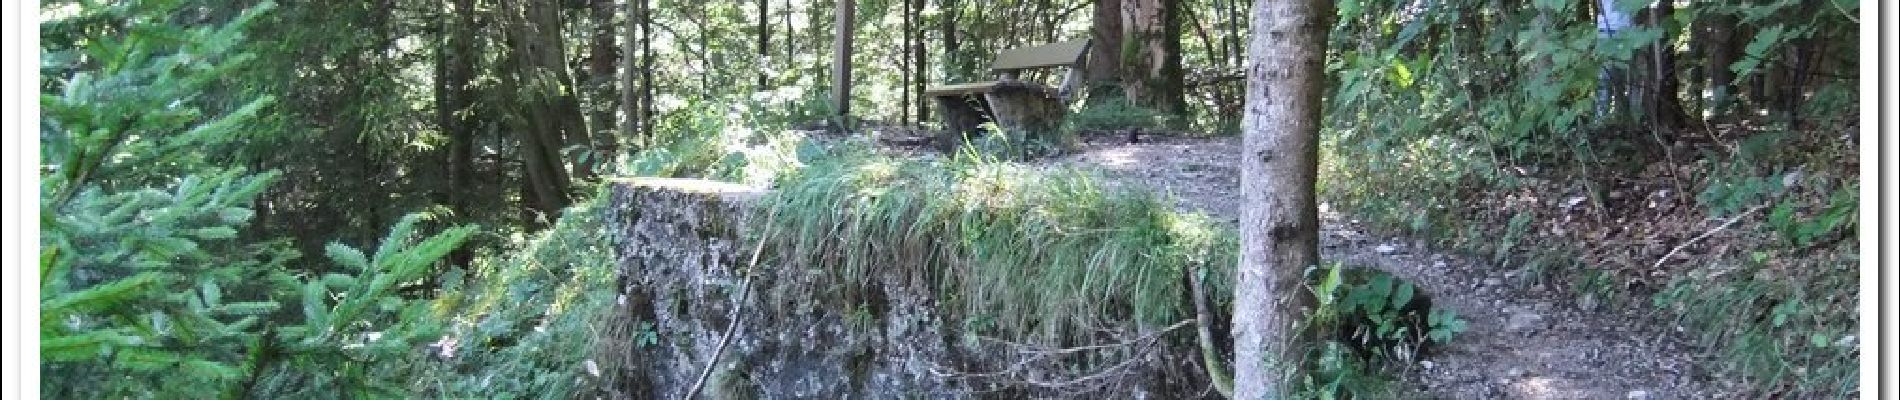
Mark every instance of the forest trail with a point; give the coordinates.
(1526, 341)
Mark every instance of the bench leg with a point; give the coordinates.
(962, 117)
(1028, 113)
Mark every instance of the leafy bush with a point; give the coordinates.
(1365, 318)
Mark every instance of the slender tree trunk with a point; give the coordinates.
(1103, 68)
(903, 99)
(534, 49)
(841, 64)
(1279, 224)
(455, 69)
(765, 42)
(918, 61)
(1151, 54)
(629, 76)
(646, 69)
(1718, 32)
(600, 76)
(1666, 112)
(952, 46)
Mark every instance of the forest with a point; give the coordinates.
(1369, 199)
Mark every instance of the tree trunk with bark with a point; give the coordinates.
(549, 116)
(1103, 68)
(630, 73)
(1279, 224)
(765, 45)
(1151, 54)
(455, 68)
(918, 61)
(601, 58)
(1719, 51)
(1665, 112)
(841, 64)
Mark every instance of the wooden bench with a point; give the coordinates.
(1017, 107)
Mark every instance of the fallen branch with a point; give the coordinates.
(1731, 221)
(1210, 356)
(738, 310)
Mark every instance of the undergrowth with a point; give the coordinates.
(1011, 248)
(1772, 297)
(523, 322)
(1053, 255)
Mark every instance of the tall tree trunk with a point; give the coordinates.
(841, 64)
(535, 50)
(952, 46)
(629, 76)
(1151, 54)
(1279, 224)
(455, 66)
(600, 76)
(918, 61)
(1103, 68)
(765, 42)
(903, 99)
(1718, 32)
(1665, 114)
(646, 69)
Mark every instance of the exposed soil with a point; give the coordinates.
(1526, 340)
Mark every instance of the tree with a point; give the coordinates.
(601, 95)
(1279, 224)
(841, 63)
(1105, 47)
(1151, 54)
(919, 60)
(455, 71)
(549, 117)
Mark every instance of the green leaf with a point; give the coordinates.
(1757, 50)
(1402, 296)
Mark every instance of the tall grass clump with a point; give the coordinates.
(1010, 249)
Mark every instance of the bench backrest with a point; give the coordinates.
(1057, 54)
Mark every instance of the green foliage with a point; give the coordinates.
(1798, 335)
(1013, 249)
(1111, 115)
(357, 329)
(737, 141)
(127, 101)
(1443, 119)
(146, 288)
(1363, 318)
(526, 320)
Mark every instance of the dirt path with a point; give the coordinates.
(1525, 341)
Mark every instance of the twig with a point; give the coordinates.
(1731, 221)
(1210, 356)
(738, 309)
(1037, 355)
